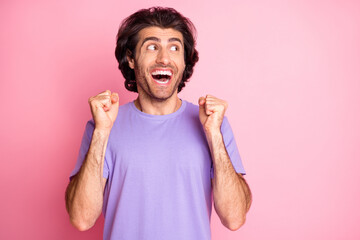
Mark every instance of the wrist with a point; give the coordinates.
(102, 132)
(213, 133)
(213, 137)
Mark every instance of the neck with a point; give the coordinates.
(155, 107)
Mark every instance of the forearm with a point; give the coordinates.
(232, 196)
(84, 195)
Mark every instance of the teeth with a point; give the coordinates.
(159, 72)
(162, 82)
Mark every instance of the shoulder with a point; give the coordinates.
(190, 107)
(125, 107)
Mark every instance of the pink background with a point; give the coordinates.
(290, 71)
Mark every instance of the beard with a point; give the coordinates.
(147, 86)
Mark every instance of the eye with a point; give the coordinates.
(151, 47)
(174, 48)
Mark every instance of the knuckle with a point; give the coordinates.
(91, 100)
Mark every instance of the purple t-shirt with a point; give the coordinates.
(158, 170)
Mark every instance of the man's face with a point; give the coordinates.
(159, 62)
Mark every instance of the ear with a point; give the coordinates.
(130, 59)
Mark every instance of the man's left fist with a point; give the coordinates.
(211, 112)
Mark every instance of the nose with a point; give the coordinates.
(163, 57)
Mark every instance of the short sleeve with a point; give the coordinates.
(231, 148)
(84, 148)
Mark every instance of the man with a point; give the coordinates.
(152, 164)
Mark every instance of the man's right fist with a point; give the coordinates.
(104, 109)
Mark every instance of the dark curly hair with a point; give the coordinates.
(127, 39)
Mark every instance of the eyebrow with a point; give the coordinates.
(158, 40)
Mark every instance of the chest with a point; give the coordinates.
(158, 147)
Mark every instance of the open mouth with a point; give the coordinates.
(162, 76)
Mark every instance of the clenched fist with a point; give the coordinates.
(104, 109)
(211, 112)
